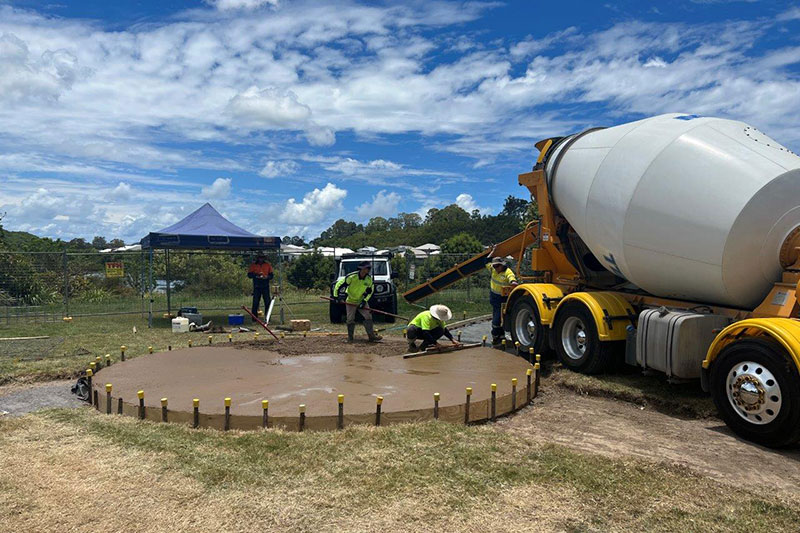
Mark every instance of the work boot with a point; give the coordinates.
(351, 330)
(412, 346)
(373, 337)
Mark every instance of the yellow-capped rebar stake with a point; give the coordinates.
(210, 338)
(340, 419)
(149, 349)
(227, 414)
(99, 361)
(513, 394)
(378, 402)
(464, 314)
(517, 345)
(108, 398)
(190, 343)
(537, 370)
(405, 332)
(530, 355)
(108, 359)
(436, 405)
(538, 358)
(140, 395)
(265, 414)
(493, 414)
(528, 392)
(89, 374)
(503, 344)
(230, 337)
(256, 335)
(163, 409)
(195, 413)
(93, 366)
(483, 341)
(283, 334)
(458, 336)
(466, 405)
(122, 352)
(302, 423)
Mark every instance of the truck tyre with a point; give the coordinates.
(756, 389)
(576, 341)
(335, 312)
(526, 325)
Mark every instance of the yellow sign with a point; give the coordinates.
(115, 270)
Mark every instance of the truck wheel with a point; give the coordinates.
(526, 326)
(756, 389)
(335, 313)
(577, 343)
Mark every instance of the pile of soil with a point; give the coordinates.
(317, 344)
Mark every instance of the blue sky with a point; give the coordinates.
(119, 118)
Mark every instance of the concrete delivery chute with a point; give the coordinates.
(673, 240)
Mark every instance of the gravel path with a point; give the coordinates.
(41, 396)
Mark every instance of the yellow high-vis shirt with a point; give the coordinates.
(500, 279)
(357, 289)
(426, 321)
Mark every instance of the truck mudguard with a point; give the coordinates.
(611, 312)
(546, 295)
(786, 331)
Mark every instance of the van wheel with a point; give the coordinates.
(577, 343)
(756, 389)
(526, 325)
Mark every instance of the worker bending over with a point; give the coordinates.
(260, 272)
(429, 326)
(355, 289)
(502, 277)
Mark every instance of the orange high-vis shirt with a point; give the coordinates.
(264, 269)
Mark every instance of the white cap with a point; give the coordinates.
(441, 312)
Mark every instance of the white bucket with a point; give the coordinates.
(180, 325)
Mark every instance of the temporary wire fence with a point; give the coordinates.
(48, 286)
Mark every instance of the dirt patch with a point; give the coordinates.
(620, 429)
(318, 344)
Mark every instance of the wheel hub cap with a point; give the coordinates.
(574, 338)
(754, 392)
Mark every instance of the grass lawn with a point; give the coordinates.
(120, 474)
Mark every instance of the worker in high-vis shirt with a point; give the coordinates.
(355, 290)
(429, 326)
(502, 277)
(260, 272)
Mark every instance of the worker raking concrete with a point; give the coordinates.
(355, 290)
(429, 326)
(502, 277)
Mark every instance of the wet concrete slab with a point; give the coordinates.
(249, 376)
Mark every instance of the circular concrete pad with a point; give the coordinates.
(249, 376)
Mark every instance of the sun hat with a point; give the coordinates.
(441, 312)
(498, 261)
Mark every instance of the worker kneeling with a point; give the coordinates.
(355, 289)
(429, 326)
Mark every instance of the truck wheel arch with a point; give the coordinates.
(546, 296)
(610, 312)
(785, 331)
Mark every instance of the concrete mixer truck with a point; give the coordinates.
(671, 243)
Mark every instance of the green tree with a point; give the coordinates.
(99, 243)
(311, 271)
(462, 243)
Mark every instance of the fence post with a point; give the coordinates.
(66, 282)
(166, 259)
(150, 292)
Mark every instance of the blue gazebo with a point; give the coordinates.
(203, 229)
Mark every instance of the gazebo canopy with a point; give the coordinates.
(207, 229)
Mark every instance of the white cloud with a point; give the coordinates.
(221, 188)
(276, 169)
(269, 108)
(466, 202)
(315, 207)
(225, 5)
(382, 204)
(122, 192)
